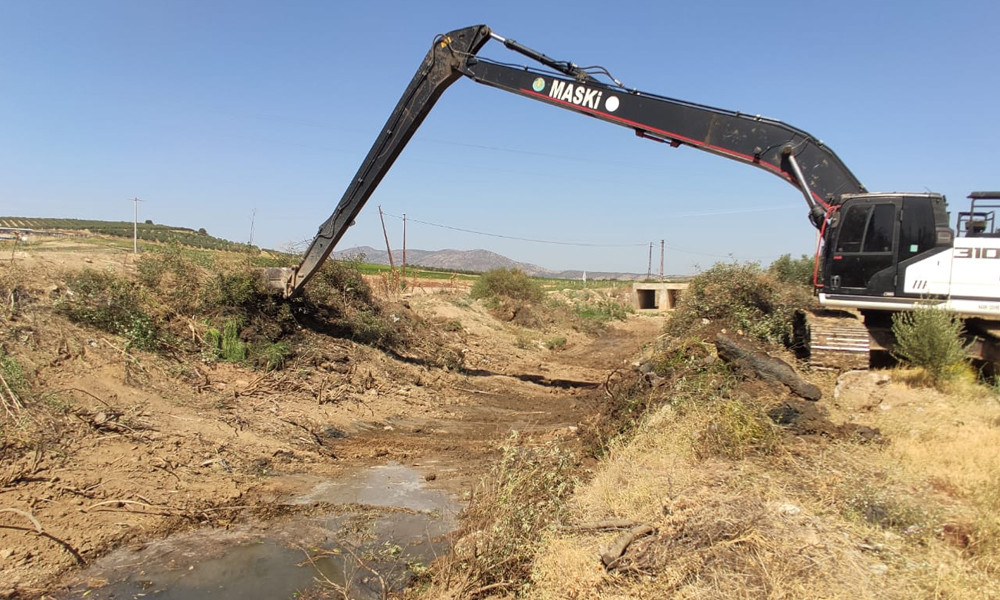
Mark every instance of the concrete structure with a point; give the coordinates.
(656, 296)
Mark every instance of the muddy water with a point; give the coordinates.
(377, 526)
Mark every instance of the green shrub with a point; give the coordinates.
(739, 296)
(271, 356)
(113, 304)
(339, 283)
(793, 270)
(211, 345)
(930, 338)
(512, 284)
(234, 290)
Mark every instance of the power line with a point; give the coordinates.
(519, 239)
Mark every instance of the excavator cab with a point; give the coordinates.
(871, 236)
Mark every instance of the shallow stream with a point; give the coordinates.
(368, 531)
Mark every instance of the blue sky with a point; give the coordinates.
(215, 113)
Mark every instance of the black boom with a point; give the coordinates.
(776, 147)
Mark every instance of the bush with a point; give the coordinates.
(930, 338)
(110, 303)
(740, 296)
(512, 284)
(793, 270)
(272, 356)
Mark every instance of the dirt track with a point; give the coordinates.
(146, 445)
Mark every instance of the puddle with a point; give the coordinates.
(388, 520)
(386, 485)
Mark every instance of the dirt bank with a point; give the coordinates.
(120, 448)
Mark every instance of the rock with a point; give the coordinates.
(789, 509)
(430, 477)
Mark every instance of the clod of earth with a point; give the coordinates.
(766, 367)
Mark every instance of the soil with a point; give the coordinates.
(132, 447)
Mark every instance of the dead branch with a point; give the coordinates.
(143, 504)
(11, 403)
(42, 533)
(611, 556)
(70, 389)
(603, 525)
(312, 434)
(322, 576)
(26, 515)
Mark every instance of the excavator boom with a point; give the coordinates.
(776, 147)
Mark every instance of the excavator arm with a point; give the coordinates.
(776, 147)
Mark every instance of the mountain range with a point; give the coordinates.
(477, 261)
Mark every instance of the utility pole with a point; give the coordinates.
(135, 226)
(661, 260)
(385, 234)
(649, 269)
(404, 245)
(253, 217)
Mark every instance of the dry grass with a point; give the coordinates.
(913, 517)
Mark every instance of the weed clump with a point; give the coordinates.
(932, 339)
(13, 385)
(742, 297)
(737, 429)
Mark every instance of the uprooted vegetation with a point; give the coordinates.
(222, 310)
(742, 297)
(715, 484)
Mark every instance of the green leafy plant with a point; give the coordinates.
(272, 356)
(931, 338)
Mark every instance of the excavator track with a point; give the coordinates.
(834, 339)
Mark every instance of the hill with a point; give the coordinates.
(147, 231)
(477, 261)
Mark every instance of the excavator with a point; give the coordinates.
(878, 253)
